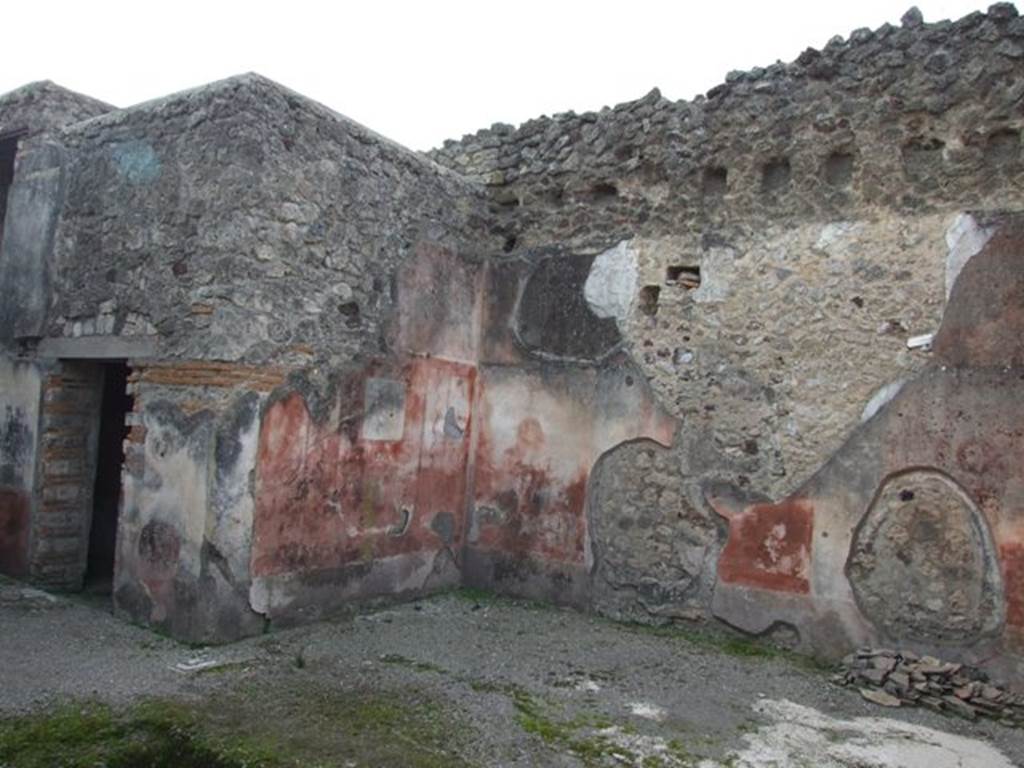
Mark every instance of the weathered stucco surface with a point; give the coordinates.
(909, 533)
(752, 358)
(19, 428)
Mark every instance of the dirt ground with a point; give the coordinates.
(461, 679)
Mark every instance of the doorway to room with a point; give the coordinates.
(115, 404)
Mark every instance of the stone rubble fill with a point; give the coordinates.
(896, 678)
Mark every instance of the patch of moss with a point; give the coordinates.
(488, 686)
(580, 735)
(260, 726)
(84, 735)
(475, 595)
(319, 725)
(729, 644)
(483, 597)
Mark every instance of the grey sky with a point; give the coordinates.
(423, 72)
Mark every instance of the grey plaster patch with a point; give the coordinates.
(923, 563)
(98, 347)
(653, 547)
(443, 525)
(452, 429)
(33, 208)
(611, 283)
(16, 446)
(554, 320)
(384, 417)
(965, 238)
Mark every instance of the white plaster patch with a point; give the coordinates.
(611, 284)
(173, 480)
(881, 397)
(804, 736)
(835, 238)
(923, 341)
(259, 596)
(965, 238)
(647, 711)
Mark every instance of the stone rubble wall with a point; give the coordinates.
(574, 360)
(42, 108)
(907, 118)
(31, 116)
(242, 222)
(791, 230)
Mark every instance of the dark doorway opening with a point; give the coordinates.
(106, 500)
(8, 149)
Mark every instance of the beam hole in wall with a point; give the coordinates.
(649, 299)
(115, 405)
(600, 193)
(684, 277)
(8, 149)
(1002, 148)
(350, 311)
(776, 175)
(507, 201)
(921, 157)
(838, 169)
(715, 182)
(555, 196)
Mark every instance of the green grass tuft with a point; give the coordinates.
(258, 726)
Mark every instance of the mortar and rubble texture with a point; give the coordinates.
(756, 358)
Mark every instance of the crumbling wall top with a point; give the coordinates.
(44, 106)
(900, 116)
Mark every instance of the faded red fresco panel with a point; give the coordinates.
(437, 304)
(328, 497)
(1012, 556)
(14, 523)
(770, 547)
(529, 499)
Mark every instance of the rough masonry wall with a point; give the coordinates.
(581, 363)
(31, 116)
(221, 238)
(242, 222)
(790, 232)
(910, 534)
(41, 108)
(461, 456)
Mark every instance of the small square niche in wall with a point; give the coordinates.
(684, 277)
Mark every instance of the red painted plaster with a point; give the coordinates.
(327, 497)
(14, 525)
(1011, 555)
(770, 547)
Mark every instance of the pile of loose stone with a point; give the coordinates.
(894, 678)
